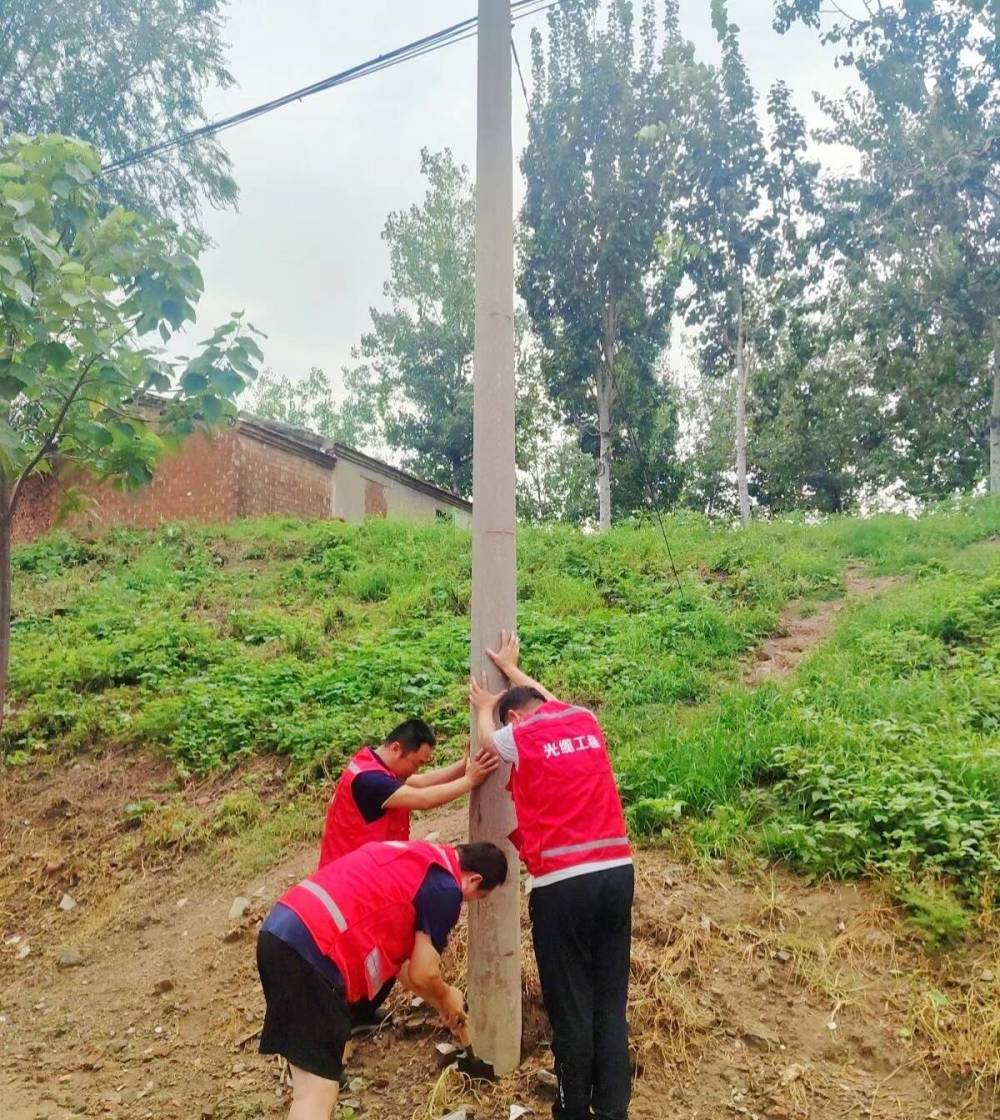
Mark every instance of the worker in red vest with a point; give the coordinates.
(571, 836)
(380, 786)
(373, 799)
(335, 939)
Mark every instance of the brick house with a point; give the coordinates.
(255, 468)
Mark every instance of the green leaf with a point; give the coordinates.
(10, 264)
(192, 383)
(57, 354)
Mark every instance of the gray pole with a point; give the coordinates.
(494, 926)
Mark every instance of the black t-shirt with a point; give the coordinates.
(373, 788)
(438, 904)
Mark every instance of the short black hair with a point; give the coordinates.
(520, 696)
(486, 860)
(411, 735)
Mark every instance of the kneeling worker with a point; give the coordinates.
(571, 836)
(380, 786)
(336, 938)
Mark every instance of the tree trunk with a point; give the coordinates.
(605, 390)
(995, 414)
(742, 391)
(6, 519)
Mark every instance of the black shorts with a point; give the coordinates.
(306, 1020)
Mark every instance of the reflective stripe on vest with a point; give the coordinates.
(569, 849)
(331, 907)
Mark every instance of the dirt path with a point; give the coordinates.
(803, 624)
(754, 996)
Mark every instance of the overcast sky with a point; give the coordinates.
(303, 253)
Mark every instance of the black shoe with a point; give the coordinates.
(370, 1021)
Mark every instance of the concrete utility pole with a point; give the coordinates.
(494, 926)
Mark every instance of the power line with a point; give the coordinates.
(520, 74)
(457, 33)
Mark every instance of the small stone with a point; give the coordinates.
(23, 951)
(414, 1022)
(164, 985)
(517, 1111)
(239, 907)
(446, 1052)
(67, 902)
(181, 903)
(54, 866)
(14, 939)
(986, 976)
(417, 1001)
(458, 1114)
(356, 1085)
(71, 958)
(760, 1038)
(782, 956)
(207, 1112)
(117, 1046)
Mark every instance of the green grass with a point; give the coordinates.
(307, 639)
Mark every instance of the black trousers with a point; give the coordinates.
(582, 933)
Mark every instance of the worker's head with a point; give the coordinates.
(484, 868)
(408, 747)
(518, 703)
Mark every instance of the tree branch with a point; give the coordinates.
(53, 435)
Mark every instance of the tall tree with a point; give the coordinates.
(738, 208)
(80, 295)
(410, 389)
(413, 371)
(592, 210)
(915, 232)
(122, 74)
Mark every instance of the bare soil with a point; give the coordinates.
(804, 623)
(753, 994)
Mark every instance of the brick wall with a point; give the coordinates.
(37, 509)
(197, 483)
(273, 480)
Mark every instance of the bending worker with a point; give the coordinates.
(339, 935)
(571, 836)
(375, 794)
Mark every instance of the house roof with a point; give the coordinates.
(326, 452)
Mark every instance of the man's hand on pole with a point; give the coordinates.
(505, 658)
(479, 767)
(480, 696)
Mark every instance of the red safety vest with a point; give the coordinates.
(567, 804)
(346, 829)
(359, 909)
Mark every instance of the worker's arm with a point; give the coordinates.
(421, 974)
(475, 771)
(439, 777)
(483, 703)
(505, 659)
